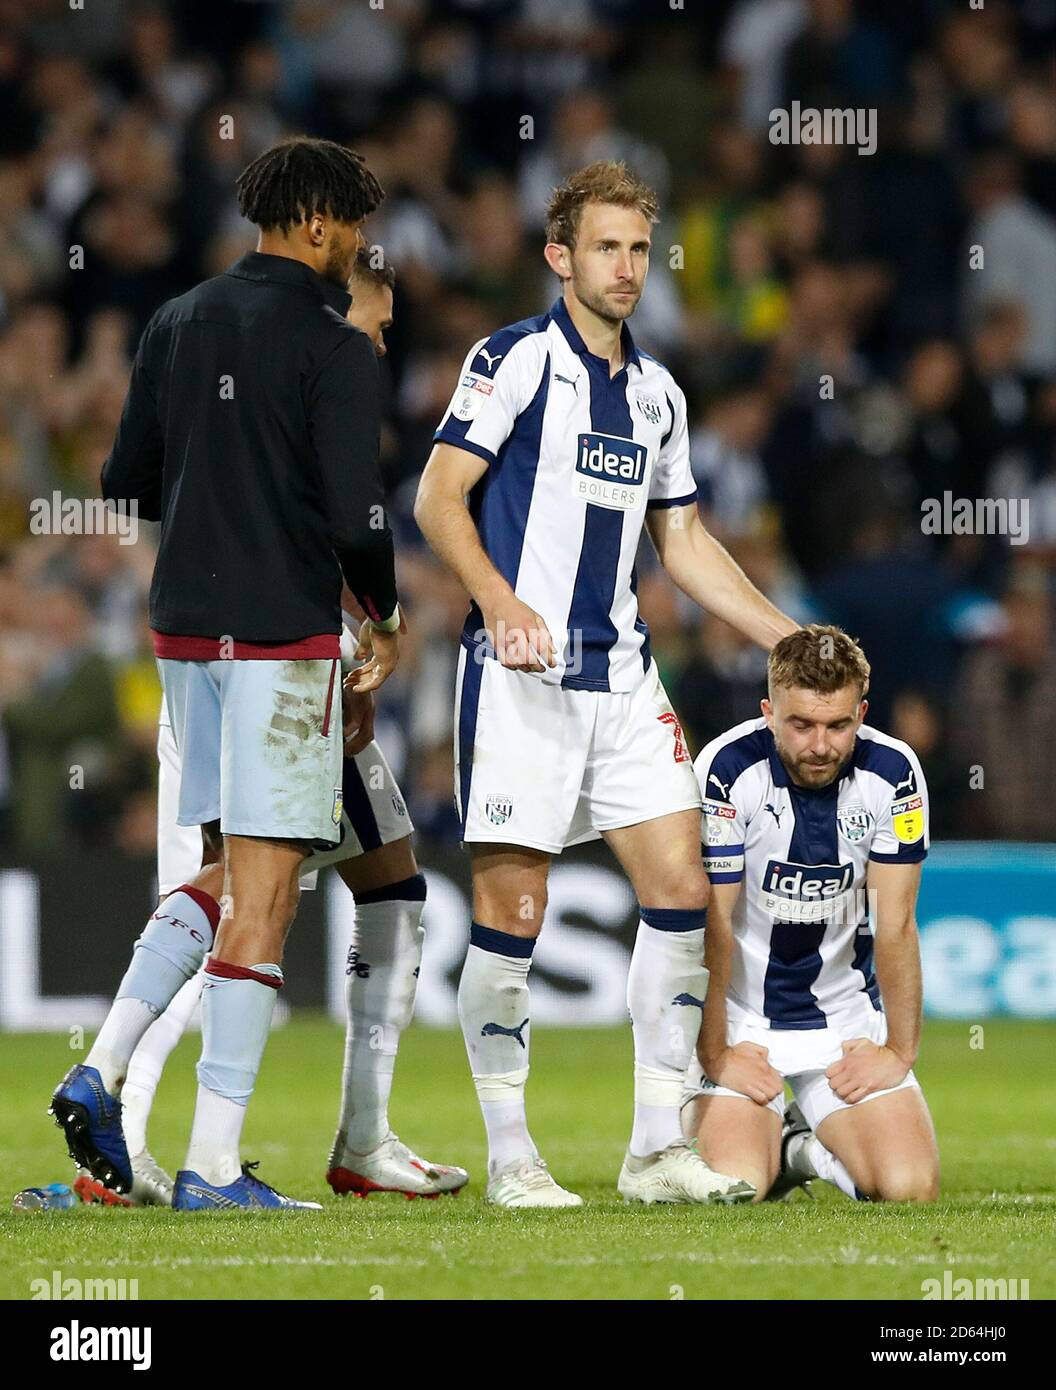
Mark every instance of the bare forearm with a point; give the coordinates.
(717, 952)
(446, 524)
(705, 570)
(898, 974)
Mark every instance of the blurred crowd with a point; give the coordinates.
(845, 355)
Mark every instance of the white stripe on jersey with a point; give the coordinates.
(802, 943)
(574, 461)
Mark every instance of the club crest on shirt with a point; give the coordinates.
(649, 407)
(338, 807)
(498, 809)
(854, 823)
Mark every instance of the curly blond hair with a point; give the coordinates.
(818, 657)
(607, 181)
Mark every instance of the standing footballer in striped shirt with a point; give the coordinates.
(567, 440)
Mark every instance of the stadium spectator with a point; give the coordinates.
(843, 363)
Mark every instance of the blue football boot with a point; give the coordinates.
(246, 1193)
(90, 1117)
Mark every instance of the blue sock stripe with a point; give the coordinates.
(408, 890)
(500, 943)
(674, 918)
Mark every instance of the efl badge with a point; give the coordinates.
(398, 805)
(720, 821)
(908, 819)
(854, 823)
(473, 391)
(499, 809)
(339, 806)
(649, 406)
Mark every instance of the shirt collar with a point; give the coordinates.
(284, 270)
(559, 313)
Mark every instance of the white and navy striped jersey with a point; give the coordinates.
(574, 459)
(803, 947)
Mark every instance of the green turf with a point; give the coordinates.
(994, 1108)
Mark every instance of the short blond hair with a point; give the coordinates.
(817, 657)
(607, 181)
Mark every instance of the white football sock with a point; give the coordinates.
(381, 981)
(214, 1152)
(117, 1039)
(493, 1009)
(806, 1155)
(237, 1004)
(148, 1062)
(169, 951)
(666, 985)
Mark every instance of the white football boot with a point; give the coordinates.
(151, 1185)
(391, 1167)
(678, 1174)
(526, 1182)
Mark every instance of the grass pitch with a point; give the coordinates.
(994, 1108)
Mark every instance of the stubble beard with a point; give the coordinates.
(595, 301)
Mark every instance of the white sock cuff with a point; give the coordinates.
(501, 1087)
(654, 1086)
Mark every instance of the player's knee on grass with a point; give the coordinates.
(905, 1182)
(708, 1124)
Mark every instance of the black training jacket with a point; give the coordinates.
(250, 432)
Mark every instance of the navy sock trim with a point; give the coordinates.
(674, 918)
(500, 943)
(409, 890)
(859, 1196)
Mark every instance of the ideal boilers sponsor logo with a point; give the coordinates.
(610, 471)
(806, 892)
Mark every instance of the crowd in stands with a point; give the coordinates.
(847, 352)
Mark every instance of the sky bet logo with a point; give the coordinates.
(806, 893)
(610, 471)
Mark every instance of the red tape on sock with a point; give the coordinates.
(226, 971)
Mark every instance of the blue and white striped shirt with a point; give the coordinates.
(803, 948)
(574, 460)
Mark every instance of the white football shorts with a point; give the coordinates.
(802, 1057)
(373, 814)
(544, 767)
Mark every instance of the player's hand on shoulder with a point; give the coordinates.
(519, 636)
(864, 1068)
(745, 1067)
(358, 711)
(380, 651)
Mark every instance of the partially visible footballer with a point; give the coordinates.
(812, 819)
(376, 862)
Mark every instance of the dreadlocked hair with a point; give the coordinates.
(299, 177)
